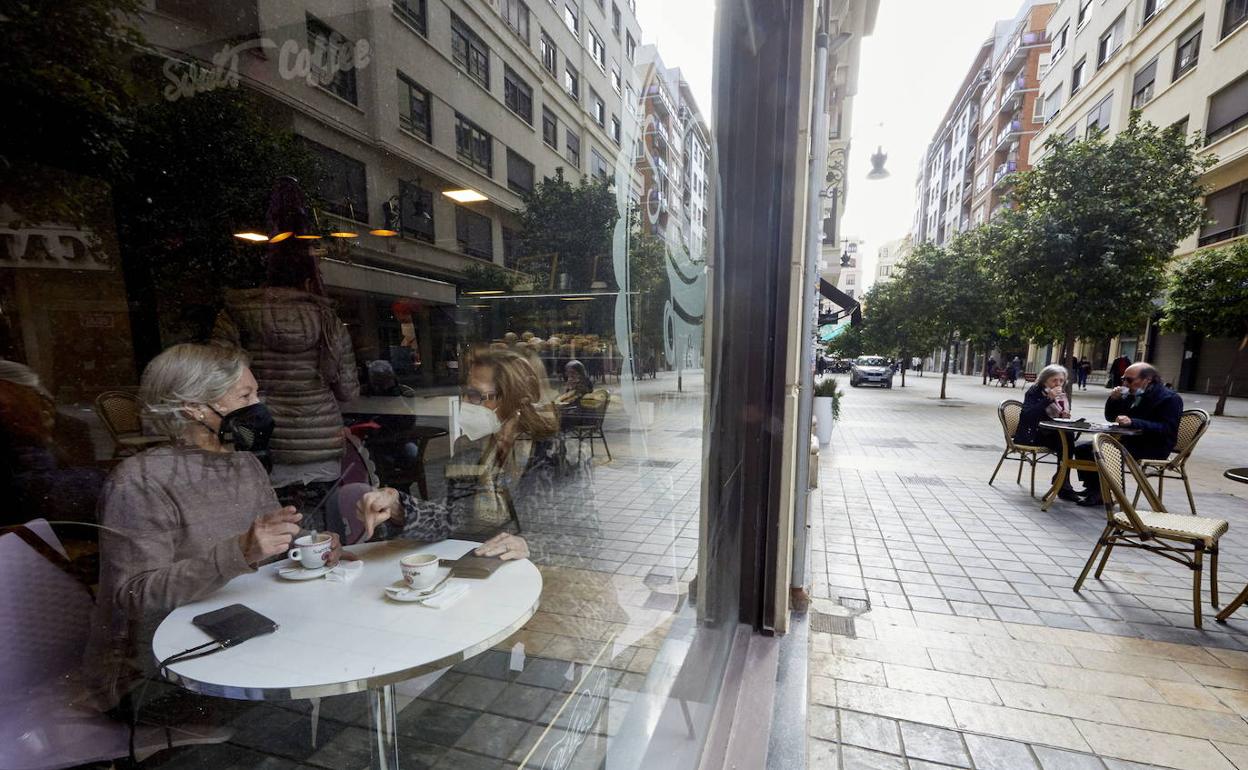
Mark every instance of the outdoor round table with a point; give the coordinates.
(339, 638)
(1240, 475)
(1070, 433)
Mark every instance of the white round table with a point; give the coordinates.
(338, 638)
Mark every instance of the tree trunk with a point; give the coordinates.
(944, 370)
(987, 352)
(1230, 376)
(1068, 348)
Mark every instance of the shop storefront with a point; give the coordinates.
(416, 237)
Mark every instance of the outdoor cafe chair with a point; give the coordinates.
(1009, 412)
(584, 423)
(1184, 539)
(120, 413)
(1192, 425)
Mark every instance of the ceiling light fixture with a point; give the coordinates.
(382, 232)
(465, 196)
(251, 235)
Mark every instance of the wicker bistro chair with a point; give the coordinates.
(1184, 539)
(1009, 412)
(120, 413)
(1192, 425)
(584, 423)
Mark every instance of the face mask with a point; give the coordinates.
(478, 421)
(248, 429)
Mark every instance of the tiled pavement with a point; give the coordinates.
(959, 640)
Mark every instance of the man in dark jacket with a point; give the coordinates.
(1144, 403)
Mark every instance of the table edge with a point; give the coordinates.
(352, 686)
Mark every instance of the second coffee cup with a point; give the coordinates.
(420, 570)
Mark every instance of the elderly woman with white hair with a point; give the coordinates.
(1045, 400)
(181, 520)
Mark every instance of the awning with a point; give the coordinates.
(848, 305)
(388, 283)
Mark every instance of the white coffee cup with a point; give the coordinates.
(420, 570)
(310, 553)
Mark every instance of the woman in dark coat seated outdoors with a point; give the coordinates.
(1045, 400)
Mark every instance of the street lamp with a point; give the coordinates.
(877, 164)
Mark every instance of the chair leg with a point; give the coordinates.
(603, 436)
(1187, 485)
(1161, 484)
(1109, 546)
(1213, 576)
(1100, 543)
(998, 468)
(1034, 460)
(1235, 604)
(1196, 570)
(1021, 459)
(1136, 500)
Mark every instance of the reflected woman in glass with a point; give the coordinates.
(501, 416)
(578, 383)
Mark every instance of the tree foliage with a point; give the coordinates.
(1083, 251)
(1208, 294)
(569, 226)
(648, 281)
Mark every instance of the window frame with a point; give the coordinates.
(1078, 75)
(406, 229)
(1150, 86)
(630, 48)
(571, 81)
(1191, 36)
(598, 159)
(1113, 33)
(617, 23)
(616, 128)
(1084, 15)
(1230, 24)
(343, 84)
(597, 108)
(572, 19)
(597, 47)
(466, 153)
(1062, 34)
(551, 119)
(349, 167)
(405, 120)
(475, 59)
(1234, 124)
(516, 89)
(549, 53)
(572, 148)
(518, 160)
(465, 219)
(416, 18)
(524, 18)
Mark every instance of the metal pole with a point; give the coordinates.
(806, 362)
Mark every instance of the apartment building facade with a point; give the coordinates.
(890, 256)
(1182, 62)
(1011, 110)
(696, 196)
(983, 136)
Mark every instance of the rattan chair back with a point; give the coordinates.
(1192, 425)
(1113, 463)
(120, 412)
(1010, 411)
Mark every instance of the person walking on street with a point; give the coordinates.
(1085, 368)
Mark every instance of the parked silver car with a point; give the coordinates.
(871, 369)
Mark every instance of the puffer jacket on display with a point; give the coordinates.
(301, 355)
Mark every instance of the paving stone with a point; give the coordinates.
(868, 731)
(854, 758)
(998, 754)
(1057, 759)
(933, 743)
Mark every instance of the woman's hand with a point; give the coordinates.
(377, 507)
(335, 552)
(505, 546)
(270, 535)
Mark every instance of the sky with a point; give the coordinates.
(909, 73)
(910, 70)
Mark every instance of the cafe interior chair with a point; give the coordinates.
(120, 413)
(43, 721)
(1192, 425)
(1180, 538)
(1008, 412)
(585, 422)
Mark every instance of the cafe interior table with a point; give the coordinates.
(1240, 475)
(446, 407)
(339, 638)
(1070, 433)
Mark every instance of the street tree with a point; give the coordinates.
(951, 291)
(566, 228)
(891, 326)
(1083, 251)
(848, 341)
(1208, 294)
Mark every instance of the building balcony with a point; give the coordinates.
(1003, 171)
(1017, 51)
(1010, 131)
(1012, 97)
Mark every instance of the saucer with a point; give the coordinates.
(297, 571)
(399, 591)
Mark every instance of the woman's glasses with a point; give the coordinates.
(474, 396)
